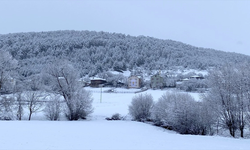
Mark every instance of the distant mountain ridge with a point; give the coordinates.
(94, 52)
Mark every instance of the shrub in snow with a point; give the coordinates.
(80, 105)
(180, 112)
(141, 106)
(193, 85)
(52, 108)
(115, 116)
(163, 110)
(6, 108)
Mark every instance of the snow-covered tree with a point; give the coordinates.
(141, 107)
(6, 108)
(7, 66)
(64, 81)
(180, 112)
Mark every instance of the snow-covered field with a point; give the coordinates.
(98, 133)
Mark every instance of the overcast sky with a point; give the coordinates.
(218, 24)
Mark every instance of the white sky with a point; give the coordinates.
(218, 24)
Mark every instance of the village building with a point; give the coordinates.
(134, 82)
(156, 81)
(97, 82)
(83, 83)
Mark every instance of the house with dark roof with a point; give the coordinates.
(97, 82)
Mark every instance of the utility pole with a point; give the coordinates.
(101, 93)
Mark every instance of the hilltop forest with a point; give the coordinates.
(93, 52)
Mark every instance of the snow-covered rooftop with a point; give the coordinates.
(195, 76)
(95, 78)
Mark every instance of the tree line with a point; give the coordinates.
(55, 90)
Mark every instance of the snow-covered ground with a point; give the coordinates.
(101, 134)
(98, 133)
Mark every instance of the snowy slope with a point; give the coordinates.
(98, 133)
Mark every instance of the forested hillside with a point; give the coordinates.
(94, 52)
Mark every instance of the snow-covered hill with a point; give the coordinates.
(94, 52)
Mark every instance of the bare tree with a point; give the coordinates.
(35, 100)
(64, 82)
(221, 95)
(141, 107)
(229, 95)
(20, 102)
(241, 90)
